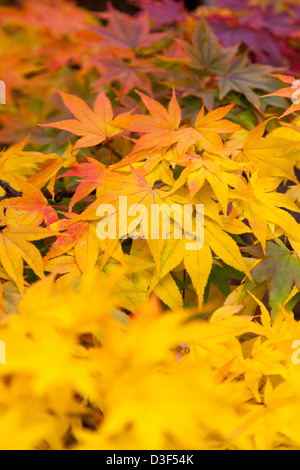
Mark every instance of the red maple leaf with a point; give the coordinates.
(93, 174)
(131, 74)
(126, 32)
(31, 208)
(162, 12)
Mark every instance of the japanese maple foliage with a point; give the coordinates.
(139, 342)
(268, 31)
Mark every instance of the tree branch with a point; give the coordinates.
(59, 195)
(10, 192)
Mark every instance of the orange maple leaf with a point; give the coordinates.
(94, 174)
(30, 209)
(288, 92)
(15, 247)
(126, 32)
(158, 127)
(78, 235)
(161, 128)
(206, 131)
(95, 126)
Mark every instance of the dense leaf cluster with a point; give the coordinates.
(121, 343)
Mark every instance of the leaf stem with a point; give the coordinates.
(66, 209)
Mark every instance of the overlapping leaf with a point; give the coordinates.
(15, 248)
(95, 126)
(30, 209)
(280, 263)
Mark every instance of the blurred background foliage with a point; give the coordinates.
(100, 5)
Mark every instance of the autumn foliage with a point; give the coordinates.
(142, 344)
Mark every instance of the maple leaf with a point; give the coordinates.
(138, 190)
(280, 23)
(219, 172)
(264, 359)
(129, 74)
(15, 247)
(280, 263)
(139, 280)
(205, 131)
(223, 245)
(267, 17)
(243, 77)
(94, 174)
(126, 32)
(174, 251)
(68, 271)
(168, 253)
(287, 92)
(266, 209)
(250, 30)
(159, 127)
(95, 126)
(16, 162)
(191, 84)
(30, 209)
(81, 236)
(269, 155)
(206, 51)
(50, 167)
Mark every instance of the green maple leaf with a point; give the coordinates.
(244, 78)
(282, 268)
(206, 51)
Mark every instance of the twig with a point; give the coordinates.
(10, 192)
(59, 196)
